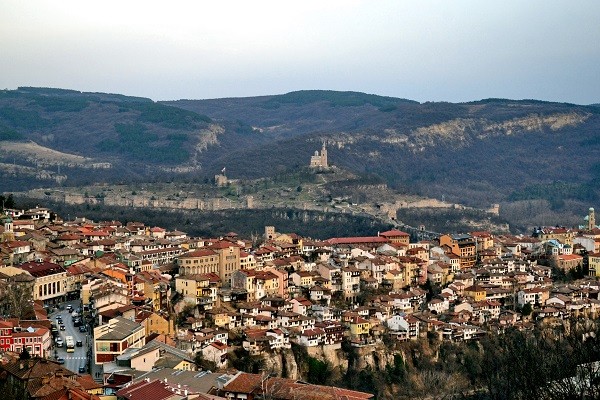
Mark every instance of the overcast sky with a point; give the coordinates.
(422, 50)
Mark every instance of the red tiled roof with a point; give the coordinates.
(393, 232)
(244, 383)
(144, 390)
(199, 253)
(38, 269)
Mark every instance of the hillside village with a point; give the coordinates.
(169, 314)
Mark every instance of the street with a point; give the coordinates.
(73, 361)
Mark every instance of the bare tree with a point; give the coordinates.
(16, 296)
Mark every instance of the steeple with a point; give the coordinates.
(324, 156)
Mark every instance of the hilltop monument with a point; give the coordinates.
(319, 161)
(221, 179)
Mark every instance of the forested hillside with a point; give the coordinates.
(490, 151)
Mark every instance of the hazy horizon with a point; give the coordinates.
(425, 51)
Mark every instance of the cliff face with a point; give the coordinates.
(288, 364)
(283, 363)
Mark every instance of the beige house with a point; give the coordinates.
(201, 289)
(50, 284)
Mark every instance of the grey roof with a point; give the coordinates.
(198, 381)
(461, 236)
(120, 330)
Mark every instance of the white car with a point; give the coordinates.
(59, 342)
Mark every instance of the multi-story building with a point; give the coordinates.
(228, 257)
(201, 289)
(462, 245)
(201, 261)
(15, 337)
(594, 264)
(350, 283)
(395, 236)
(563, 235)
(113, 338)
(50, 284)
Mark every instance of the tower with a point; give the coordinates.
(8, 233)
(324, 156)
(591, 219)
(269, 232)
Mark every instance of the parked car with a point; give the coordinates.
(82, 328)
(60, 360)
(59, 342)
(69, 308)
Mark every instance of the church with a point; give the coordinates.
(319, 160)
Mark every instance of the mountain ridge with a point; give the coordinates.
(475, 153)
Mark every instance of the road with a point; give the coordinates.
(73, 361)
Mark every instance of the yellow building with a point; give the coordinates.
(201, 261)
(221, 258)
(393, 279)
(483, 240)
(476, 292)
(201, 289)
(247, 261)
(229, 259)
(50, 281)
(220, 318)
(156, 323)
(594, 263)
(395, 236)
(563, 235)
(462, 245)
(359, 326)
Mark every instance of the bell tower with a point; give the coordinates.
(324, 156)
(591, 219)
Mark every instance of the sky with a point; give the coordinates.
(446, 50)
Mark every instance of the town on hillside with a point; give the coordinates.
(147, 310)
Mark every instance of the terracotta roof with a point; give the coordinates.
(144, 390)
(199, 253)
(393, 232)
(244, 383)
(39, 269)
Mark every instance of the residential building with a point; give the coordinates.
(113, 338)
